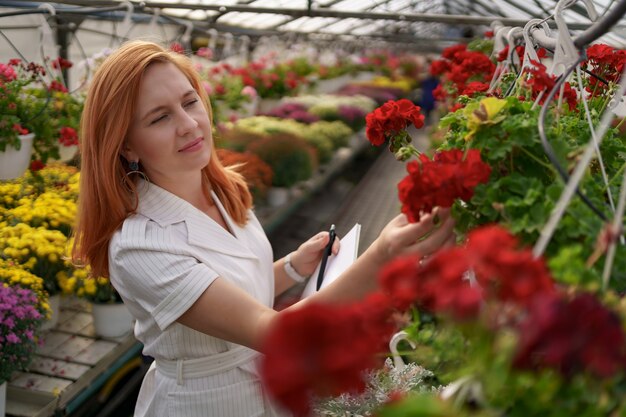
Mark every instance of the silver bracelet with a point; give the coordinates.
(290, 270)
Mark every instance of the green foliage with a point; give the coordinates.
(524, 186)
(290, 158)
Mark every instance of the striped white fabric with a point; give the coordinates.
(161, 261)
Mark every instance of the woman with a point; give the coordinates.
(174, 231)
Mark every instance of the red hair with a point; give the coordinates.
(106, 198)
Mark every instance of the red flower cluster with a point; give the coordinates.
(473, 88)
(507, 274)
(57, 86)
(605, 62)
(443, 284)
(68, 136)
(571, 336)
(36, 165)
(177, 47)
(323, 350)
(541, 53)
(61, 63)
(437, 286)
(540, 81)
(391, 118)
(441, 181)
(459, 66)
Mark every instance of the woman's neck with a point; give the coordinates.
(193, 190)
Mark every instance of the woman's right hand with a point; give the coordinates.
(434, 231)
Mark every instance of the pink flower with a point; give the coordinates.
(249, 91)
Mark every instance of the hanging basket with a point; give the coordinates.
(14, 162)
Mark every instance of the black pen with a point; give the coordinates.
(327, 251)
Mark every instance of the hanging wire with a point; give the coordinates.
(595, 138)
(546, 145)
(577, 174)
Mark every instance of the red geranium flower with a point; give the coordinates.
(36, 165)
(572, 336)
(323, 350)
(441, 181)
(390, 119)
(68, 136)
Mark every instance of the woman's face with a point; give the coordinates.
(170, 132)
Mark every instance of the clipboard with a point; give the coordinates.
(348, 252)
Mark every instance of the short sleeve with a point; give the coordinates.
(162, 284)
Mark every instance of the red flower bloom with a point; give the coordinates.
(506, 273)
(20, 130)
(68, 136)
(391, 118)
(489, 34)
(540, 81)
(439, 67)
(474, 87)
(399, 279)
(505, 52)
(57, 86)
(441, 181)
(61, 63)
(177, 47)
(323, 350)
(36, 165)
(572, 336)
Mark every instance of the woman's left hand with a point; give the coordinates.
(306, 258)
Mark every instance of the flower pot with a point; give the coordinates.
(67, 152)
(55, 306)
(277, 196)
(13, 162)
(111, 320)
(3, 398)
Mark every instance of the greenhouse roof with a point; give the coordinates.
(430, 24)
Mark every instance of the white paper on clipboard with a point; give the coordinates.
(336, 264)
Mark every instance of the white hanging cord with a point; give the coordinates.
(575, 178)
(153, 26)
(616, 227)
(228, 45)
(498, 45)
(127, 23)
(213, 34)
(393, 348)
(186, 38)
(594, 136)
(46, 37)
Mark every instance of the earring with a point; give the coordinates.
(133, 166)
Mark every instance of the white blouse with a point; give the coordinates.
(161, 260)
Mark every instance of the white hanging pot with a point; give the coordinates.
(14, 162)
(111, 320)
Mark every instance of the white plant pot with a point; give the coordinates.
(277, 196)
(13, 162)
(3, 398)
(111, 320)
(55, 306)
(67, 152)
